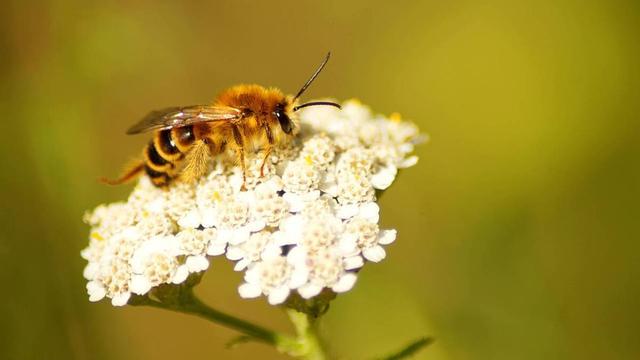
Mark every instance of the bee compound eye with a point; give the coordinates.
(283, 119)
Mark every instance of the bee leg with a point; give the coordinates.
(240, 152)
(267, 131)
(196, 162)
(132, 171)
(264, 160)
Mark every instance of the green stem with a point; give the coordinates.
(181, 298)
(310, 344)
(186, 302)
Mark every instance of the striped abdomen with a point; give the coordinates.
(163, 154)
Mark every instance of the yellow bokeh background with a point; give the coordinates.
(517, 229)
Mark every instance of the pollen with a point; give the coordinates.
(395, 117)
(308, 160)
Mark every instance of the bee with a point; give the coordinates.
(242, 119)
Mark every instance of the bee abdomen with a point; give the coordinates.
(183, 137)
(165, 145)
(155, 160)
(165, 151)
(156, 166)
(158, 178)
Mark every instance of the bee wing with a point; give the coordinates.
(185, 115)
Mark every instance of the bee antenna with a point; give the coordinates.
(317, 103)
(313, 77)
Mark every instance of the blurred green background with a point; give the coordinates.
(517, 230)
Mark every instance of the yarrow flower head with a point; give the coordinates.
(309, 223)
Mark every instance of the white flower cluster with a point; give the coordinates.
(309, 223)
